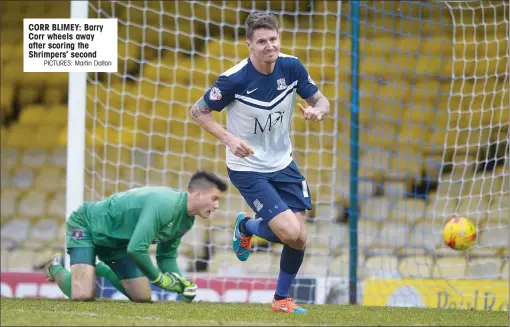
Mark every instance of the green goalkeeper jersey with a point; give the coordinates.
(134, 219)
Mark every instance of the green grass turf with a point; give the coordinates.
(32, 312)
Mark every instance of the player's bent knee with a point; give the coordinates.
(138, 289)
(286, 227)
(83, 282)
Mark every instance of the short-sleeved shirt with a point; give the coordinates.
(259, 110)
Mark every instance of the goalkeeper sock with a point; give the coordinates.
(290, 262)
(63, 278)
(103, 270)
(260, 228)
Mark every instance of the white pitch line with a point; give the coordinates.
(180, 321)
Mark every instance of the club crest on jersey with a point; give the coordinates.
(215, 94)
(280, 84)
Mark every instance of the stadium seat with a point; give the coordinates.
(50, 178)
(327, 237)
(375, 209)
(20, 260)
(9, 199)
(17, 136)
(40, 233)
(484, 268)
(34, 157)
(225, 263)
(504, 271)
(394, 191)
(426, 234)
(3, 257)
(440, 207)
(57, 204)
(15, 231)
(314, 265)
(9, 157)
(374, 163)
(494, 237)
(416, 266)
(408, 210)
(368, 232)
(392, 235)
(32, 204)
(58, 157)
(22, 178)
(5, 178)
(474, 208)
(56, 115)
(194, 242)
(381, 267)
(450, 268)
(33, 114)
(221, 238)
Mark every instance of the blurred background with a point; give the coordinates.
(433, 130)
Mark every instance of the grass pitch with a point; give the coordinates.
(32, 312)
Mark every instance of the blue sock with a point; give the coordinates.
(261, 228)
(290, 262)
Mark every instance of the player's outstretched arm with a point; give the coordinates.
(201, 113)
(318, 107)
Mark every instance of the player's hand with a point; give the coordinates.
(239, 147)
(311, 113)
(176, 283)
(190, 290)
(169, 282)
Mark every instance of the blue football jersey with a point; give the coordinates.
(259, 110)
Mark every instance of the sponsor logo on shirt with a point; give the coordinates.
(271, 121)
(281, 84)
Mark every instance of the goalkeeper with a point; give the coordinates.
(119, 231)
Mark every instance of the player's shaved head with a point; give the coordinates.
(258, 20)
(205, 180)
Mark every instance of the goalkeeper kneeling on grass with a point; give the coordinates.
(119, 231)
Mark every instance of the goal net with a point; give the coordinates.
(433, 131)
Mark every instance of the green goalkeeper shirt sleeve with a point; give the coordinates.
(153, 217)
(166, 256)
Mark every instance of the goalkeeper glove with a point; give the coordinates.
(174, 282)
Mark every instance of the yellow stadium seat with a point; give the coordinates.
(11, 73)
(376, 209)
(51, 178)
(20, 260)
(7, 97)
(57, 205)
(17, 136)
(54, 95)
(315, 265)
(33, 114)
(450, 268)
(484, 268)
(408, 210)
(504, 270)
(34, 158)
(57, 115)
(29, 95)
(381, 267)
(416, 266)
(32, 204)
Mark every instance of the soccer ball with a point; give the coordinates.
(459, 233)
